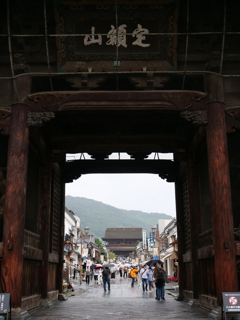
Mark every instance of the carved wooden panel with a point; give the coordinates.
(30, 281)
(188, 279)
(31, 239)
(52, 275)
(207, 274)
(206, 239)
(55, 217)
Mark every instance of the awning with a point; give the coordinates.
(172, 255)
(121, 248)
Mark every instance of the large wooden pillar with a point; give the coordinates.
(15, 204)
(179, 215)
(45, 205)
(221, 207)
(195, 221)
(61, 242)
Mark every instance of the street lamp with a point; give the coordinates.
(154, 228)
(86, 230)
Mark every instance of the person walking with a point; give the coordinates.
(133, 274)
(144, 277)
(120, 272)
(125, 273)
(150, 279)
(106, 280)
(95, 276)
(160, 277)
(87, 275)
(100, 280)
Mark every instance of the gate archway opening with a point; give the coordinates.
(170, 85)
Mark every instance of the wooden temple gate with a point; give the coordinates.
(119, 76)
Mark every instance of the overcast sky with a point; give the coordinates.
(145, 192)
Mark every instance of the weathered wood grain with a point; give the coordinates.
(15, 204)
(221, 207)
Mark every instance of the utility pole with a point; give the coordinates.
(86, 229)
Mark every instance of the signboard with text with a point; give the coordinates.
(144, 239)
(151, 237)
(91, 35)
(5, 307)
(231, 302)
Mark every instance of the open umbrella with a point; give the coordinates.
(151, 262)
(92, 266)
(109, 265)
(98, 266)
(144, 262)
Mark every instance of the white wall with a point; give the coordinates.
(162, 224)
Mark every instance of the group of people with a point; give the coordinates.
(100, 276)
(148, 276)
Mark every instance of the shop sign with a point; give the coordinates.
(231, 303)
(5, 304)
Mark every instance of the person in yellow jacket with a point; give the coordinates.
(133, 274)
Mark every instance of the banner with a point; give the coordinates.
(144, 239)
(151, 237)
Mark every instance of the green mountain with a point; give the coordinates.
(99, 216)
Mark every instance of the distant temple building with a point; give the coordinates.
(122, 241)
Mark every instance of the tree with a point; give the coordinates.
(100, 244)
(112, 255)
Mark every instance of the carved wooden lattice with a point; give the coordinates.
(31, 239)
(55, 225)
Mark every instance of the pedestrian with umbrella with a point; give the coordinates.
(106, 280)
(125, 272)
(97, 270)
(160, 278)
(120, 272)
(151, 263)
(150, 279)
(109, 265)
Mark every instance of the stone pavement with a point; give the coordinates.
(121, 303)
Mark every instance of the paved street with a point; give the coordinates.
(122, 302)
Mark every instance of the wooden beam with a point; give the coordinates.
(32, 253)
(128, 143)
(120, 100)
(221, 206)
(164, 168)
(15, 205)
